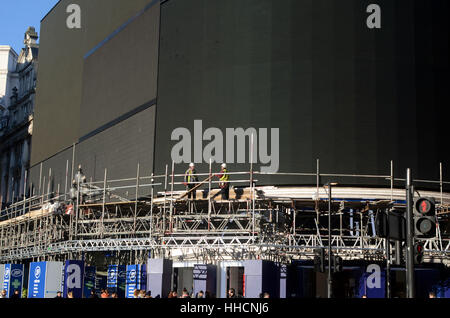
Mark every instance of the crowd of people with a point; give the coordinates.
(140, 293)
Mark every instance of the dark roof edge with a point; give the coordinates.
(50, 10)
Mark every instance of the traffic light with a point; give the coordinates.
(419, 250)
(319, 261)
(391, 223)
(397, 225)
(425, 218)
(337, 263)
(381, 224)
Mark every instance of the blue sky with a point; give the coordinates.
(17, 15)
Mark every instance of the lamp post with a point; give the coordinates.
(329, 185)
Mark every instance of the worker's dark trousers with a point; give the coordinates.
(225, 192)
(193, 194)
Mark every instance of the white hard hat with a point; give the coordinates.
(224, 165)
(192, 164)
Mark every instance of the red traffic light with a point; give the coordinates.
(424, 206)
(419, 248)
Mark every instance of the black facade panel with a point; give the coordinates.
(118, 149)
(121, 74)
(58, 119)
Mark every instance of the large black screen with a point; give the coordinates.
(353, 97)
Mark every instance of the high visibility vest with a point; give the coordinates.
(188, 178)
(224, 179)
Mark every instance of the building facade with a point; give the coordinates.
(17, 91)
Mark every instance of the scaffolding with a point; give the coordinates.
(149, 214)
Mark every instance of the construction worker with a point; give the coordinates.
(73, 192)
(224, 183)
(84, 191)
(79, 175)
(190, 180)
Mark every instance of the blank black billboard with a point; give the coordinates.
(353, 97)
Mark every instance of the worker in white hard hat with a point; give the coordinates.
(190, 180)
(224, 183)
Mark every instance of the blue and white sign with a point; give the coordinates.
(73, 278)
(373, 282)
(36, 280)
(6, 277)
(89, 280)
(2, 274)
(117, 279)
(136, 279)
(45, 279)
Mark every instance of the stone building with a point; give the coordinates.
(17, 93)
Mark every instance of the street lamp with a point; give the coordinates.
(329, 185)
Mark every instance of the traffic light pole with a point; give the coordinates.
(388, 267)
(410, 292)
(329, 241)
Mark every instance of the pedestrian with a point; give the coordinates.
(136, 293)
(266, 295)
(149, 294)
(114, 295)
(93, 294)
(200, 294)
(173, 294)
(224, 183)
(3, 294)
(231, 293)
(185, 294)
(70, 294)
(59, 295)
(16, 294)
(105, 293)
(190, 180)
(141, 294)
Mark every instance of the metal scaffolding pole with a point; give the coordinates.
(77, 212)
(388, 266)
(392, 180)
(165, 199)
(67, 176)
(137, 197)
(151, 207)
(209, 194)
(73, 161)
(171, 197)
(103, 204)
(252, 188)
(329, 243)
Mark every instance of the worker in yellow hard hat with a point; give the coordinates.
(190, 180)
(224, 183)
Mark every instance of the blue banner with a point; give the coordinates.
(136, 279)
(89, 281)
(36, 280)
(73, 278)
(16, 279)
(6, 278)
(117, 279)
